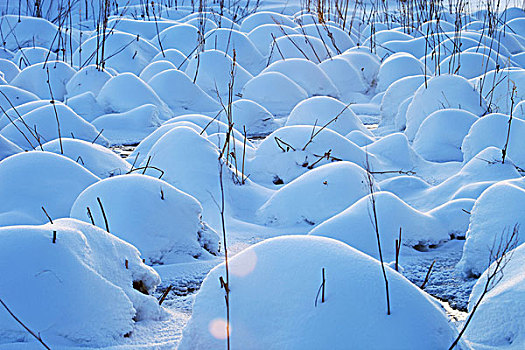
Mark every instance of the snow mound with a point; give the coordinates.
(354, 300)
(34, 79)
(211, 71)
(7, 148)
(291, 151)
(394, 95)
(227, 40)
(495, 213)
(44, 121)
(491, 130)
(348, 80)
(32, 180)
(469, 65)
(274, 91)
(315, 83)
(126, 91)
(123, 52)
(86, 106)
(139, 153)
(181, 94)
(174, 56)
(129, 127)
(365, 62)
(476, 175)
(498, 321)
(97, 159)
(316, 195)
(436, 141)
(9, 69)
(498, 94)
(181, 37)
(262, 36)
(300, 46)
(161, 221)
(442, 92)
(355, 226)
(12, 97)
(89, 78)
(326, 111)
(86, 278)
(193, 170)
(154, 68)
(397, 66)
(24, 31)
(250, 115)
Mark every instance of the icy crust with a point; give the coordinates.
(284, 274)
(87, 288)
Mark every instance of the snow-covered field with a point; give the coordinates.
(326, 174)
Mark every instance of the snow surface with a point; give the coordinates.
(191, 127)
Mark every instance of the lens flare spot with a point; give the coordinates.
(244, 263)
(217, 328)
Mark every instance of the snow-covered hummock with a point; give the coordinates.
(499, 322)
(474, 177)
(97, 159)
(300, 46)
(315, 83)
(348, 80)
(181, 94)
(161, 221)
(85, 105)
(140, 152)
(397, 66)
(273, 288)
(227, 40)
(366, 62)
(492, 130)
(9, 69)
(499, 94)
(24, 31)
(495, 213)
(211, 71)
(35, 79)
(394, 95)
(316, 195)
(324, 111)
(89, 78)
(194, 170)
(436, 141)
(129, 127)
(260, 18)
(44, 120)
(31, 180)
(355, 226)
(7, 148)
(122, 51)
(249, 114)
(126, 91)
(15, 97)
(441, 92)
(287, 152)
(274, 91)
(467, 64)
(156, 67)
(87, 288)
